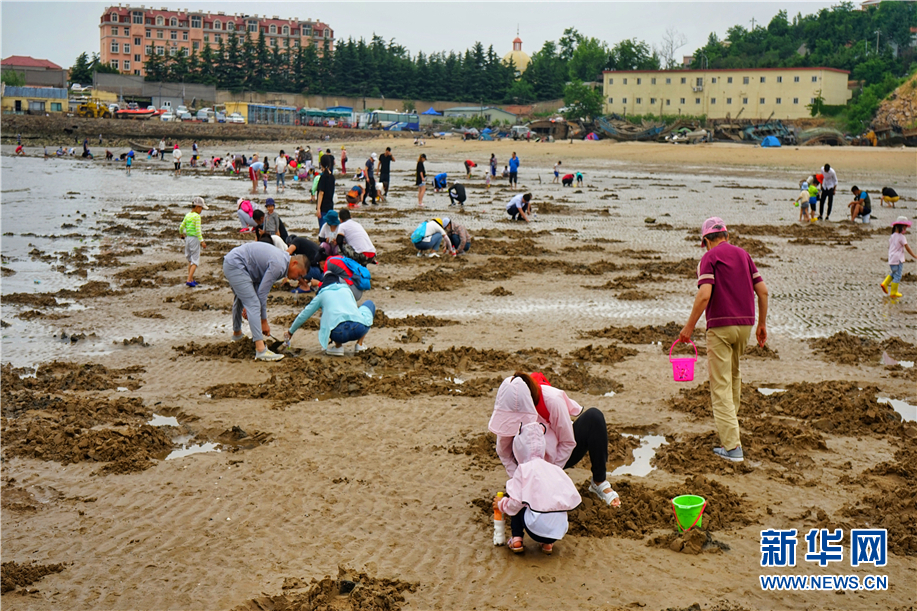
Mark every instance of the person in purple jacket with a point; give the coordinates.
(727, 282)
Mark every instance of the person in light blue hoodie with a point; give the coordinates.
(341, 322)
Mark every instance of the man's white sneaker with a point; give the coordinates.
(267, 355)
(334, 350)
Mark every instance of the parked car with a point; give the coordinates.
(167, 116)
(236, 118)
(521, 132)
(205, 115)
(185, 116)
(220, 117)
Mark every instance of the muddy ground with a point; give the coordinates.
(365, 482)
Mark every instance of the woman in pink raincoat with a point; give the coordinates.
(525, 398)
(539, 495)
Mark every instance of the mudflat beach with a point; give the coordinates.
(150, 463)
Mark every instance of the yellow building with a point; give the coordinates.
(33, 100)
(756, 93)
(520, 58)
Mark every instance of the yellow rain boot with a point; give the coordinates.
(884, 284)
(893, 290)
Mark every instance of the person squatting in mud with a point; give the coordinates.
(526, 398)
(341, 320)
(539, 494)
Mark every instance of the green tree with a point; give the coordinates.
(582, 101)
(632, 54)
(588, 60)
(96, 65)
(11, 78)
(80, 72)
(520, 92)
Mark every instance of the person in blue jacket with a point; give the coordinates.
(341, 322)
(439, 182)
(513, 170)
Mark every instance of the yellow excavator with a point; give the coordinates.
(93, 109)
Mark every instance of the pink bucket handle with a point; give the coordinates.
(673, 347)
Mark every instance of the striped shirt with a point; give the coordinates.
(191, 226)
(733, 275)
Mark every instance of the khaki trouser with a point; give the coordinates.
(725, 345)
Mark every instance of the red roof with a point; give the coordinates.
(517, 39)
(24, 61)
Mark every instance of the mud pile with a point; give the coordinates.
(59, 376)
(759, 352)
(460, 359)
(439, 279)
(149, 314)
(762, 439)
(148, 276)
(578, 378)
(643, 509)
(411, 336)
(696, 401)
(583, 248)
(351, 590)
(517, 247)
(846, 349)
(14, 575)
(45, 419)
(244, 349)
(893, 505)
(812, 231)
(421, 320)
(635, 296)
(481, 447)
(837, 407)
(649, 334)
(499, 292)
(686, 268)
(627, 283)
(310, 379)
(603, 354)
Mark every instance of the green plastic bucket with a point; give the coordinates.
(689, 511)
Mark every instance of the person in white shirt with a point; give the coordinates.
(828, 184)
(176, 158)
(520, 206)
(327, 235)
(353, 241)
(280, 164)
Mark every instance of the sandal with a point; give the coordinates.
(512, 545)
(547, 548)
(604, 491)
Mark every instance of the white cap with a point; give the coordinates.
(373, 155)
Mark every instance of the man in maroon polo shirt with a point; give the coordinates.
(727, 282)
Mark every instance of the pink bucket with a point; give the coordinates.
(682, 368)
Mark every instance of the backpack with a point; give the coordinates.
(420, 233)
(359, 274)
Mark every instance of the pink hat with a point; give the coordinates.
(901, 220)
(513, 407)
(714, 224)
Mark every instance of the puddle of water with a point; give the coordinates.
(195, 449)
(906, 364)
(641, 466)
(907, 411)
(182, 439)
(163, 421)
(770, 391)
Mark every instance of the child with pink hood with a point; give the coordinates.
(539, 495)
(525, 398)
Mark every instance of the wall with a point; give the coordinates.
(122, 84)
(40, 77)
(710, 92)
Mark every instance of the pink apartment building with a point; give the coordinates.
(128, 35)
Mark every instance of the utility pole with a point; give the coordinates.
(752, 24)
(877, 32)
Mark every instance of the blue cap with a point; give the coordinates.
(269, 201)
(331, 218)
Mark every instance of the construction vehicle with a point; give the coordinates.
(93, 109)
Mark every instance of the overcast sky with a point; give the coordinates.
(59, 31)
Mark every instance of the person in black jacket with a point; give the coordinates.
(457, 194)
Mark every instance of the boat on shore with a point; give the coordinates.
(141, 148)
(141, 114)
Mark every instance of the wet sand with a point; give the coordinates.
(376, 470)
